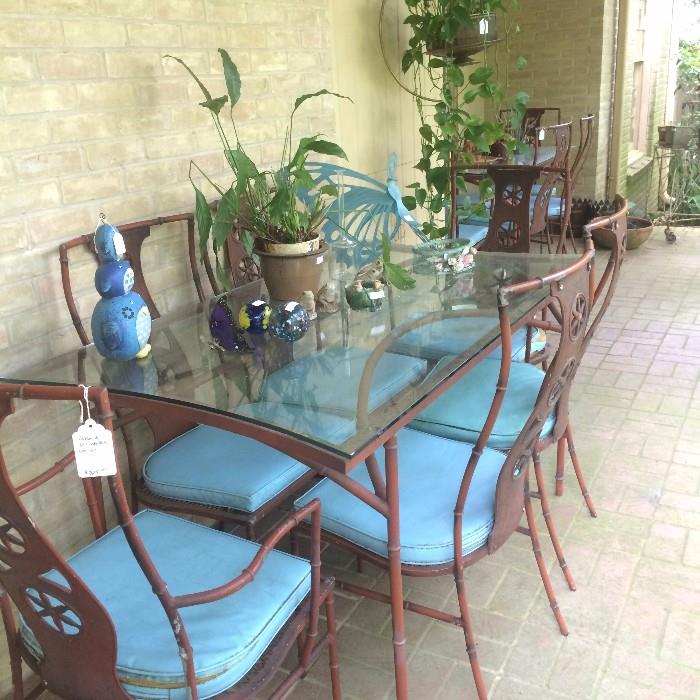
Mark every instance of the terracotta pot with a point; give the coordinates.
(288, 276)
(638, 231)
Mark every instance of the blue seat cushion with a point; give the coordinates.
(460, 413)
(453, 336)
(474, 232)
(227, 636)
(430, 471)
(219, 468)
(330, 379)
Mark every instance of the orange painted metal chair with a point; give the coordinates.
(153, 607)
(236, 479)
(460, 500)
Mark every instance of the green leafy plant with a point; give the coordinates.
(449, 126)
(394, 274)
(689, 66)
(266, 202)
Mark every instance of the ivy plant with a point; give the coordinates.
(444, 96)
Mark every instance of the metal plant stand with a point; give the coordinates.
(677, 188)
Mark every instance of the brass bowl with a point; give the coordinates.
(638, 231)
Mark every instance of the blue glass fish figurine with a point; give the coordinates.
(121, 321)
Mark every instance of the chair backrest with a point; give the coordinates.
(509, 225)
(364, 211)
(134, 235)
(605, 288)
(72, 628)
(558, 171)
(531, 121)
(569, 293)
(586, 129)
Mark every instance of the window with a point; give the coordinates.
(640, 80)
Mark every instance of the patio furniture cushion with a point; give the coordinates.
(331, 378)
(219, 468)
(452, 336)
(430, 471)
(460, 413)
(227, 636)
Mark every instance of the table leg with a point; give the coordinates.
(396, 584)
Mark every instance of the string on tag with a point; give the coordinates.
(86, 402)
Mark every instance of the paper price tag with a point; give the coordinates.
(541, 135)
(319, 259)
(259, 302)
(94, 450)
(377, 330)
(291, 306)
(376, 295)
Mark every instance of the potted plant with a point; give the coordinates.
(278, 226)
(443, 34)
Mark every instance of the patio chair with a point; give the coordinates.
(452, 515)
(531, 121)
(154, 607)
(586, 131)
(237, 480)
(365, 210)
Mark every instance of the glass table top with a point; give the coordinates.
(349, 379)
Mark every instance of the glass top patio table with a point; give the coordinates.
(350, 379)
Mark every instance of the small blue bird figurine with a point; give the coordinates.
(121, 321)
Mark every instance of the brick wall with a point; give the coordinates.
(570, 49)
(94, 119)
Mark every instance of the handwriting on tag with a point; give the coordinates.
(94, 450)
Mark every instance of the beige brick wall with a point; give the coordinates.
(94, 119)
(570, 48)
(563, 43)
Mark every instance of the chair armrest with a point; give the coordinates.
(313, 509)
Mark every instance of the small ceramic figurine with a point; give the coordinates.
(224, 331)
(327, 300)
(121, 321)
(255, 316)
(289, 321)
(309, 303)
(365, 294)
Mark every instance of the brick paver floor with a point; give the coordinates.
(635, 619)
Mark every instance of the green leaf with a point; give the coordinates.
(480, 75)
(409, 202)
(421, 194)
(521, 63)
(215, 104)
(202, 87)
(232, 76)
(226, 213)
(426, 132)
(454, 75)
(202, 214)
(386, 249)
(330, 190)
(326, 147)
(406, 61)
(436, 63)
(397, 276)
(302, 98)
(221, 275)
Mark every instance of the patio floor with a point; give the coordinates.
(635, 619)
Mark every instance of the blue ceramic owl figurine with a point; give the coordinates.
(121, 321)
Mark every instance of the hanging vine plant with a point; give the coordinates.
(445, 34)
